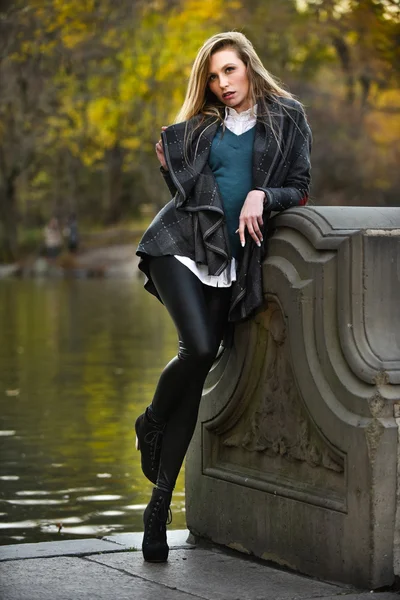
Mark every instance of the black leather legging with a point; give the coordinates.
(200, 314)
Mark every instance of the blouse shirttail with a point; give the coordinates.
(192, 224)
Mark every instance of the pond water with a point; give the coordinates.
(79, 360)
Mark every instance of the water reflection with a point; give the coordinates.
(79, 361)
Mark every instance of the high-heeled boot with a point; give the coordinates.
(156, 517)
(148, 440)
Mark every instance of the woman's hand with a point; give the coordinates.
(160, 152)
(251, 217)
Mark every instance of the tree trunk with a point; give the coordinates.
(343, 53)
(115, 160)
(8, 222)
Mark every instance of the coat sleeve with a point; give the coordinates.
(295, 189)
(168, 180)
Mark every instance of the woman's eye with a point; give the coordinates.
(211, 78)
(230, 69)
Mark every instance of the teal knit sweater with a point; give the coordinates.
(230, 160)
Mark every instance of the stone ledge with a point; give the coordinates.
(114, 543)
(204, 573)
(54, 549)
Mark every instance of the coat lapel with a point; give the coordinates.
(266, 148)
(259, 148)
(185, 168)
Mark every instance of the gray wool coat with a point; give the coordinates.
(192, 224)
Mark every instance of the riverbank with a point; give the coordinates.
(113, 566)
(106, 253)
(117, 260)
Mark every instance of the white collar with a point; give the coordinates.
(244, 115)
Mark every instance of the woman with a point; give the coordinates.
(239, 150)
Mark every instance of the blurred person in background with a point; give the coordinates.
(240, 149)
(53, 240)
(72, 233)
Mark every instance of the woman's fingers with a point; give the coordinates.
(257, 231)
(254, 231)
(159, 144)
(161, 155)
(253, 228)
(251, 217)
(241, 231)
(159, 149)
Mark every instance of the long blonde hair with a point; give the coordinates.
(200, 100)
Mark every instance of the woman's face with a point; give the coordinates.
(228, 80)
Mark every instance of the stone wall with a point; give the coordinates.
(295, 456)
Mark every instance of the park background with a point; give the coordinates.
(85, 86)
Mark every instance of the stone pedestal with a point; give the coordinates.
(295, 456)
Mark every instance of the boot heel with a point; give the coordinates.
(156, 518)
(137, 443)
(155, 555)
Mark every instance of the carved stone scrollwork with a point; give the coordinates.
(279, 424)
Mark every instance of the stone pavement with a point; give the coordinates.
(108, 569)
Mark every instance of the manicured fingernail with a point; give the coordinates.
(242, 244)
(259, 244)
(262, 239)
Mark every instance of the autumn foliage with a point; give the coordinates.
(85, 87)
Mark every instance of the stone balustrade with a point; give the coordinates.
(295, 457)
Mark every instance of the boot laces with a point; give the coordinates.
(153, 438)
(158, 515)
(161, 504)
(160, 508)
(169, 519)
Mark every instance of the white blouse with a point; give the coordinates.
(238, 123)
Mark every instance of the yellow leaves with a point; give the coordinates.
(132, 87)
(68, 7)
(90, 155)
(40, 179)
(177, 96)
(143, 67)
(70, 40)
(384, 122)
(71, 21)
(47, 48)
(194, 15)
(134, 81)
(112, 39)
(183, 30)
(100, 112)
(135, 77)
(102, 124)
(153, 6)
(131, 143)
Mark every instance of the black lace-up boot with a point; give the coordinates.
(148, 440)
(156, 518)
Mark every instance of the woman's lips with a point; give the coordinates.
(228, 95)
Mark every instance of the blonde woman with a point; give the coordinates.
(240, 149)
